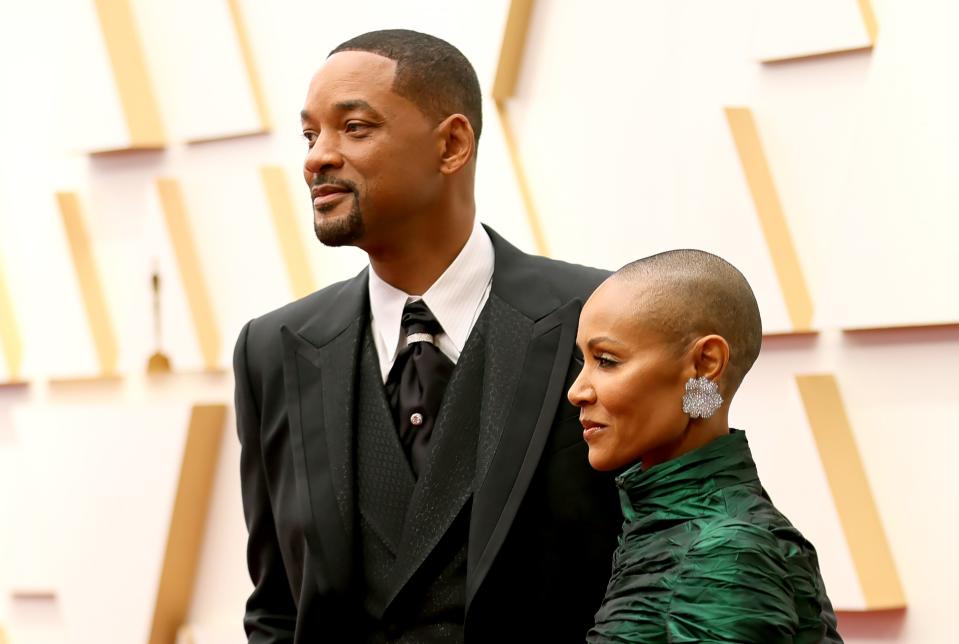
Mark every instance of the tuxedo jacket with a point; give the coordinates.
(542, 524)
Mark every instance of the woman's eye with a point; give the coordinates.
(604, 360)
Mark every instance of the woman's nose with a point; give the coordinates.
(580, 393)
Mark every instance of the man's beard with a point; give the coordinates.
(339, 231)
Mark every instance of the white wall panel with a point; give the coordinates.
(794, 28)
(619, 120)
(899, 391)
(624, 138)
(194, 54)
(52, 320)
(88, 109)
(898, 263)
(118, 207)
(809, 112)
(95, 514)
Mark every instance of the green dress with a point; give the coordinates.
(705, 557)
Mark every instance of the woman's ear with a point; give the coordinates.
(711, 356)
(458, 143)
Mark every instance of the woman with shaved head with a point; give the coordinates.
(704, 555)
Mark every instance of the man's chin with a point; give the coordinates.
(336, 241)
(336, 233)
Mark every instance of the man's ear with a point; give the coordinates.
(457, 141)
(710, 357)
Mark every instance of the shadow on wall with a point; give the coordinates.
(877, 625)
(885, 337)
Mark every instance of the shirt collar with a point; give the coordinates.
(453, 298)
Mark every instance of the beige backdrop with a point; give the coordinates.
(813, 144)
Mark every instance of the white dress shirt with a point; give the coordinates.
(456, 298)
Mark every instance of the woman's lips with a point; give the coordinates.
(591, 429)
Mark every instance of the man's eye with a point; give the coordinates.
(310, 138)
(353, 127)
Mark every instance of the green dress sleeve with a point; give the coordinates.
(738, 583)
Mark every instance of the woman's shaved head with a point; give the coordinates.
(687, 294)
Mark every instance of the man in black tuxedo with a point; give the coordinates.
(411, 469)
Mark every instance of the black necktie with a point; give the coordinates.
(415, 384)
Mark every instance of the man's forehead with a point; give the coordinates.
(351, 76)
(356, 67)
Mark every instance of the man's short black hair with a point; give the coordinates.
(430, 72)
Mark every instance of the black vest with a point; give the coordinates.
(413, 533)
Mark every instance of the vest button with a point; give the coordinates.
(416, 419)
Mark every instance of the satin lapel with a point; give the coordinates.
(319, 397)
(517, 422)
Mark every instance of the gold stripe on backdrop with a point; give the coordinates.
(185, 537)
(511, 49)
(130, 71)
(284, 219)
(532, 215)
(772, 219)
(504, 84)
(191, 273)
(869, 20)
(9, 336)
(89, 281)
(246, 50)
(857, 510)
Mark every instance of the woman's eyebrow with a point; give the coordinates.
(599, 339)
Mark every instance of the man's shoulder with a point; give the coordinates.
(329, 302)
(563, 279)
(566, 278)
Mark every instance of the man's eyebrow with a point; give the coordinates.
(345, 106)
(354, 104)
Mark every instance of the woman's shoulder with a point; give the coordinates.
(691, 552)
(769, 541)
(737, 550)
(711, 589)
(721, 533)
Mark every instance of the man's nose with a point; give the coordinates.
(323, 155)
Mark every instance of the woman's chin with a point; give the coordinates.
(600, 461)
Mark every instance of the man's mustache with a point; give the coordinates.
(327, 180)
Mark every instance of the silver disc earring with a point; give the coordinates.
(702, 397)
